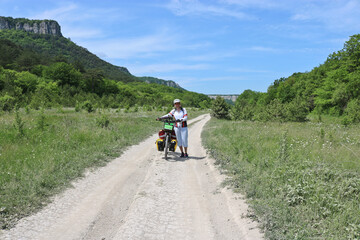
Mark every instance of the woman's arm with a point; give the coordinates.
(185, 117)
(170, 114)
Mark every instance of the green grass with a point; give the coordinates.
(42, 152)
(302, 180)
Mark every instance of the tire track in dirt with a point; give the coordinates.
(140, 195)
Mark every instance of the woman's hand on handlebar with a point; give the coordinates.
(158, 119)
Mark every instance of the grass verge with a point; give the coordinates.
(41, 152)
(302, 180)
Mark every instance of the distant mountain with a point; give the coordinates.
(168, 83)
(230, 97)
(45, 38)
(34, 26)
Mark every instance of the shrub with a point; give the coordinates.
(19, 123)
(88, 106)
(242, 111)
(148, 108)
(27, 109)
(136, 108)
(276, 110)
(77, 107)
(220, 109)
(7, 103)
(103, 121)
(296, 111)
(353, 110)
(40, 123)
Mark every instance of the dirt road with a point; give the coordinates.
(140, 195)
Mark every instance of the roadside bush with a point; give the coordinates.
(296, 111)
(220, 109)
(148, 108)
(36, 102)
(19, 123)
(88, 106)
(136, 108)
(40, 123)
(7, 103)
(353, 111)
(103, 121)
(242, 112)
(276, 110)
(260, 114)
(77, 107)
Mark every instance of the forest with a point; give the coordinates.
(332, 88)
(31, 76)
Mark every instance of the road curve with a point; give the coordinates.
(140, 195)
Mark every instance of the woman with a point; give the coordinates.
(181, 130)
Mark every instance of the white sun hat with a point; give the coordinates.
(176, 101)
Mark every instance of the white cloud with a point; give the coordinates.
(254, 3)
(72, 12)
(133, 47)
(246, 70)
(58, 13)
(211, 56)
(141, 70)
(263, 49)
(195, 7)
(162, 41)
(335, 15)
(80, 33)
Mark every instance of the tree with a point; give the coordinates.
(353, 110)
(63, 73)
(7, 103)
(220, 108)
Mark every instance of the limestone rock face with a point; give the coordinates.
(50, 27)
(4, 24)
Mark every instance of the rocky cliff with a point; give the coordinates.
(34, 26)
(168, 83)
(226, 97)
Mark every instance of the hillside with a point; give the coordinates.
(168, 83)
(333, 88)
(45, 38)
(60, 47)
(43, 70)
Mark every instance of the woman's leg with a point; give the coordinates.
(178, 138)
(184, 137)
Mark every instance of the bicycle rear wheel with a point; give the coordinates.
(166, 145)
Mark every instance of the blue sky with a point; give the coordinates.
(219, 46)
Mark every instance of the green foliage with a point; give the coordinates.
(19, 123)
(301, 179)
(52, 47)
(7, 103)
(220, 109)
(44, 162)
(353, 111)
(40, 123)
(61, 78)
(88, 106)
(327, 89)
(63, 74)
(103, 121)
(296, 110)
(77, 107)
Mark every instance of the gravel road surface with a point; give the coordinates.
(140, 195)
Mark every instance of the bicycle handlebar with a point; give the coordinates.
(169, 120)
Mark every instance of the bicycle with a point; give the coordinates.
(167, 138)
